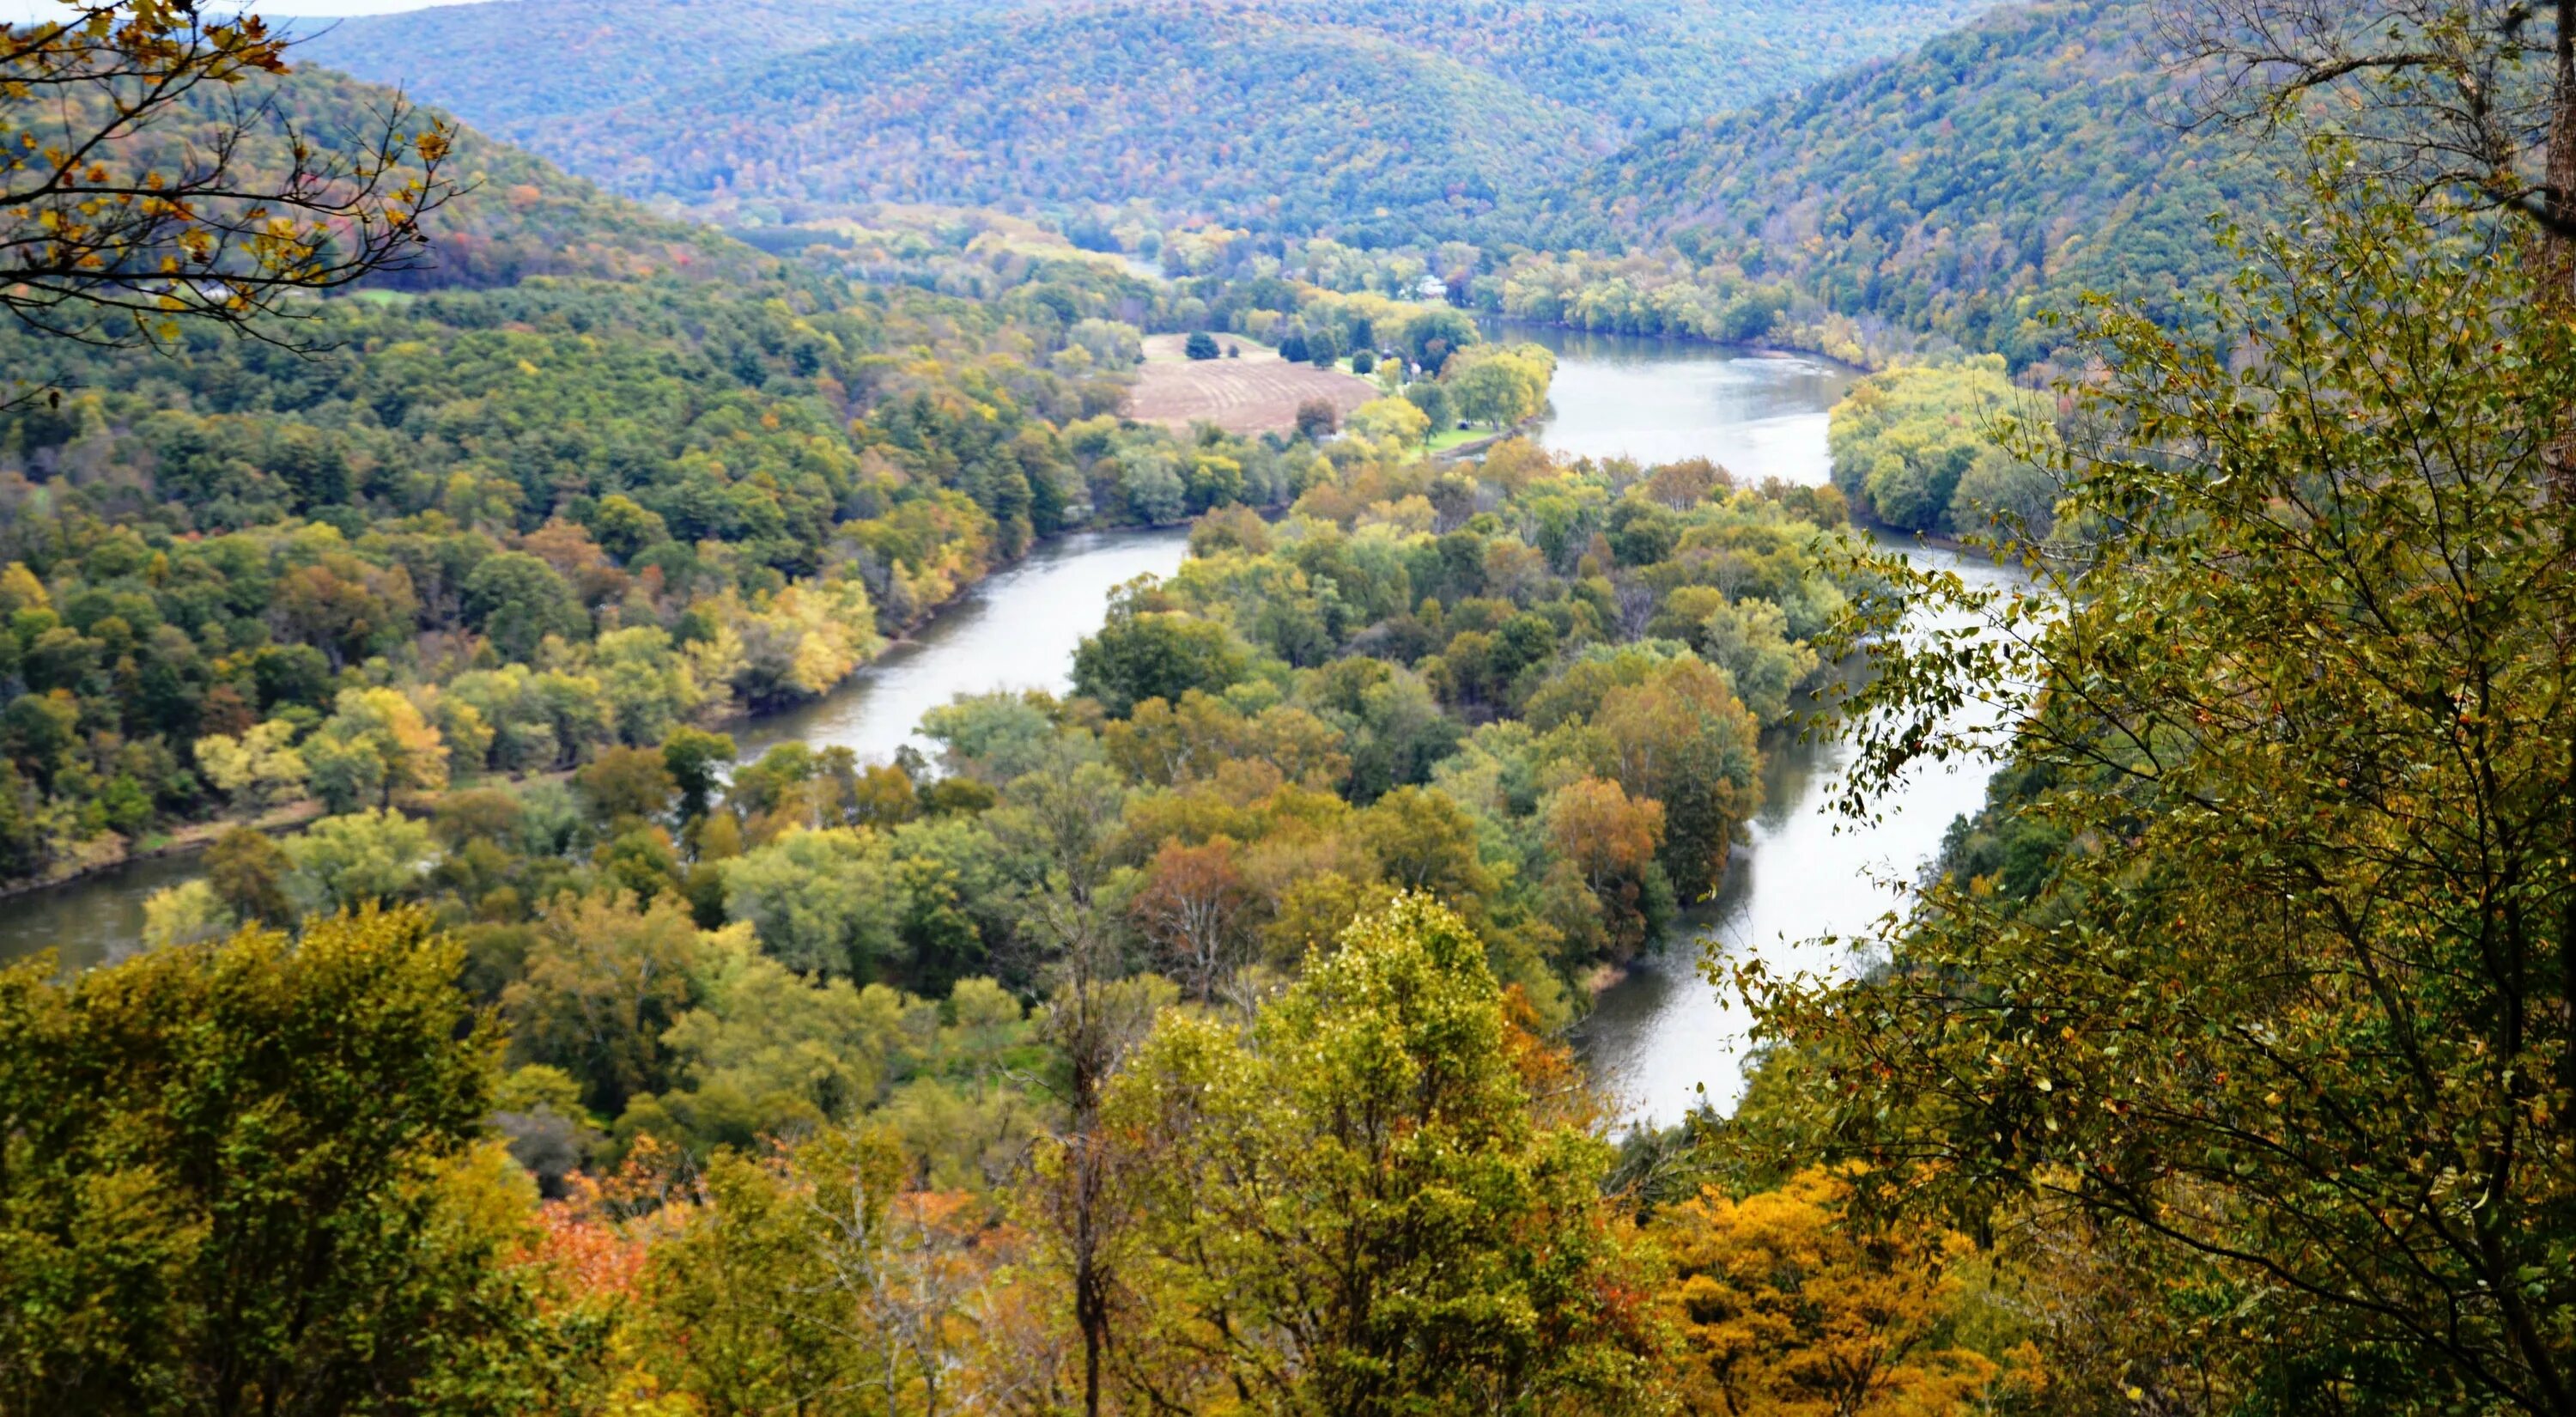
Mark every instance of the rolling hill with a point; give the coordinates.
(1958, 190)
(514, 69)
(1283, 114)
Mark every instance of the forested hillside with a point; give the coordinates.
(579, 477)
(513, 70)
(1956, 191)
(1284, 114)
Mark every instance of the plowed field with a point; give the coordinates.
(1257, 393)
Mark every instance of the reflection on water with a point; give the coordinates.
(1665, 1038)
(1018, 630)
(95, 920)
(1758, 415)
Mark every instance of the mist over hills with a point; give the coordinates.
(1284, 114)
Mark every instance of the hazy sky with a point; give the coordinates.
(23, 10)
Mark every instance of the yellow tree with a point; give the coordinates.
(1790, 1306)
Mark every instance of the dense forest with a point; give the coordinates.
(586, 476)
(1963, 191)
(1203, 1035)
(1381, 118)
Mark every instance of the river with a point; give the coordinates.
(1015, 630)
(1663, 1039)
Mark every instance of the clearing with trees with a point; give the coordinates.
(1257, 393)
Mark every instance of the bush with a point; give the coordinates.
(1201, 345)
(1364, 362)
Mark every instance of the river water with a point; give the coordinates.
(1016, 630)
(1663, 1039)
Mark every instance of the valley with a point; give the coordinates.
(1193, 707)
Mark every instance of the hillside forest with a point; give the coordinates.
(419, 506)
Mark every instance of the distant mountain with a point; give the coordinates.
(515, 67)
(1415, 115)
(512, 214)
(1957, 189)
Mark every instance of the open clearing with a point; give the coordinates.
(1258, 393)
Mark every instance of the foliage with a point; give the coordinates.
(2259, 991)
(1963, 191)
(1332, 113)
(133, 201)
(1354, 1209)
(1914, 448)
(1789, 1302)
(244, 1174)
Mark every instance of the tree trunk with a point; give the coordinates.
(2558, 233)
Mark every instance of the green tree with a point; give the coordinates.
(347, 861)
(241, 1177)
(517, 600)
(248, 871)
(696, 760)
(1152, 654)
(1200, 345)
(822, 902)
(604, 982)
(626, 784)
(374, 744)
(1356, 1209)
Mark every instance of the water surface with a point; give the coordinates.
(1016, 630)
(1666, 1039)
(1760, 415)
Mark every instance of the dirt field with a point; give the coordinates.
(1258, 393)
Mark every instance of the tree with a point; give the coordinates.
(2288, 1010)
(1682, 738)
(1500, 386)
(1096, 1014)
(604, 983)
(1356, 1210)
(248, 872)
(258, 770)
(822, 901)
(1611, 839)
(244, 1177)
(815, 1283)
(1195, 907)
(626, 783)
(347, 861)
(1390, 420)
(766, 1055)
(1791, 1302)
(1316, 419)
(1155, 654)
(154, 178)
(1200, 345)
(517, 600)
(696, 760)
(374, 744)
(1431, 336)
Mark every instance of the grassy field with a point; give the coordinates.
(1256, 392)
